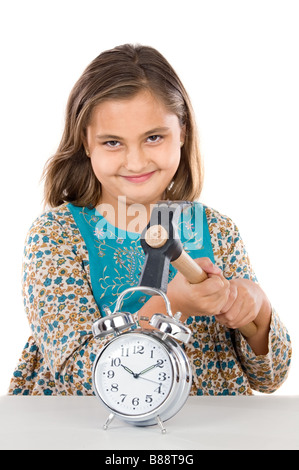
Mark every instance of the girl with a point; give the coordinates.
(129, 141)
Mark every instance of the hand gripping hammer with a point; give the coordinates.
(162, 246)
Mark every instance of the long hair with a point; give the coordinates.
(120, 73)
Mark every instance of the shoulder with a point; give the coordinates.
(224, 233)
(228, 246)
(218, 221)
(221, 227)
(61, 215)
(56, 223)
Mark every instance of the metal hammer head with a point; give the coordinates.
(161, 243)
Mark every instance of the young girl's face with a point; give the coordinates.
(134, 146)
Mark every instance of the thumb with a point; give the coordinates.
(207, 265)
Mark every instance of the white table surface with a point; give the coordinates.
(241, 422)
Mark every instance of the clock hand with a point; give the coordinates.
(149, 380)
(136, 376)
(148, 369)
(130, 371)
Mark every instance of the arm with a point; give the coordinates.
(248, 302)
(266, 357)
(59, 304)
(240, 299)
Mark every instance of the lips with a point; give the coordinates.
(139, 178)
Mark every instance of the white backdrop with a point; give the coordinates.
(239, 62)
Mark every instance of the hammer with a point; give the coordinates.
(162, 245)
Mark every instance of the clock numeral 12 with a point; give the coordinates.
(138, 349)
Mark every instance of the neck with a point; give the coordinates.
(130, 217)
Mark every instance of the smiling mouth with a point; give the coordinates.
(139, 178)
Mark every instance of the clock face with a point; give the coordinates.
(134, 374)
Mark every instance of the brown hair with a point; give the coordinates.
(120, 73)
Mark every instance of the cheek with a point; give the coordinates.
(171, 159)
(96, 167)
(101, 167)
(168, 157)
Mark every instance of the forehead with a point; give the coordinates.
(137, 114)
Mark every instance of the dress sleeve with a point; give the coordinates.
(60, 305)
(265, 373)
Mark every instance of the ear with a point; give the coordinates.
(183, 135)
(84, 142)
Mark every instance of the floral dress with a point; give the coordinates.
(76, 264)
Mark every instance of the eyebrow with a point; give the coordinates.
(156, 130)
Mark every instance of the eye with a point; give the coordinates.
(112, 143)
(154, 138)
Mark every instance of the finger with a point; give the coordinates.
(214, 295)
(233, 315)
(216, 285)
(239, 315)
(207, 265)
(237, 322)
(233, 293)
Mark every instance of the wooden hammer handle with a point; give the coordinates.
(157, 236)
(189, 268)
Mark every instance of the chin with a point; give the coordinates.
(145, 200)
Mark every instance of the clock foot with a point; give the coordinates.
(109, 419)
(163, 430)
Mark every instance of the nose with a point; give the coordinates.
(136, 160)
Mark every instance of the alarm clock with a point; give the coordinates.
(141, 375)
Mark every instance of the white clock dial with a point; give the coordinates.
(134, 374)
